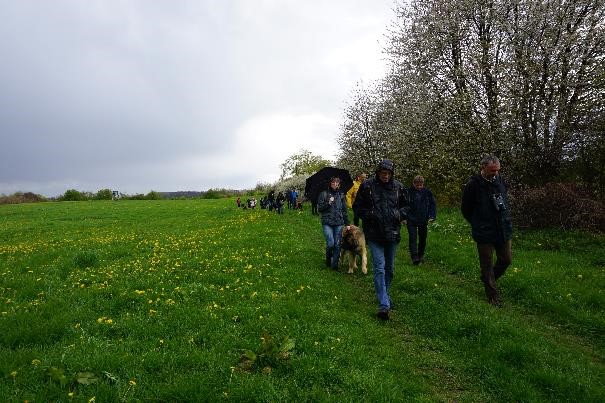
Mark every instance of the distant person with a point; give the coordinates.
(333, 209)
(239, 202)
(271, 199)
(382, 204)
(485, 206)
(422, 210)
(352, 193)
(279, 203)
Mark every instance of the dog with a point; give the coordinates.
(353, 244)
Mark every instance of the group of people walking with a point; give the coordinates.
(383, 204)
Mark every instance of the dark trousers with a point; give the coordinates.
(490, 271)
(417, 239)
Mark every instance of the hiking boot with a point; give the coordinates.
(383, 314)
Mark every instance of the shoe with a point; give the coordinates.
(416, 261)
(383, 314)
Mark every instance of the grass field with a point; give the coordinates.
(196, 300)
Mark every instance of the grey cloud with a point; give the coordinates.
(103, 91)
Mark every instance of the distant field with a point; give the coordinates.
(196, 300)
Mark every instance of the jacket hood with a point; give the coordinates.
(386, 164)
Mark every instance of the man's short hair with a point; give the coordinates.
(489, 159)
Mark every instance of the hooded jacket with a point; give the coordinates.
(382, 207)
(485, 207)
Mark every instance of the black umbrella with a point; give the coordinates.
(320, 181)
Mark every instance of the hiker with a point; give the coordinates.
(333, 209)
(422, 210)
(485, 206)
(382, 204)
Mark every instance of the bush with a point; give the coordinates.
(19, 197)
(73, 195)
(104, 194)
(562, 205)
(295, 182)
(153, 195)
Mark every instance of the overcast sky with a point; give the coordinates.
(174, 95)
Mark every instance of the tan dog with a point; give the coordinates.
(353, 245)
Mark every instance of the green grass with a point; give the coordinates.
(159, 301)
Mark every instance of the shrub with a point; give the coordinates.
(104, 194)
(73, 195)
(19, 197)
(562, 205)
(153, 195)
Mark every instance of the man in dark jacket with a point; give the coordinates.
(382, 204)
(485, 207)
(332, 206)
(422, 210)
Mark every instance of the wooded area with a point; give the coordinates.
(521, 79)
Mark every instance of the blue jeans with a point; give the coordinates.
(333, 233)
(383, 267)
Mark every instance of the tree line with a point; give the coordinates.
(523, 79)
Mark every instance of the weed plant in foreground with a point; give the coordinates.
(196, 300)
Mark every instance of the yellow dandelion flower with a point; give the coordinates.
(132, 382)
(36, 362)
(14, 374)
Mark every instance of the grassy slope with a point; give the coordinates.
(157, 300)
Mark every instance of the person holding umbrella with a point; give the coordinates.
(332, 207)
(382, 203)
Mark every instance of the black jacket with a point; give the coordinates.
(422, 206)
(334, 213)
(485, 207)
(382, 207)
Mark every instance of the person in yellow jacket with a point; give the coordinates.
(359, 178)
